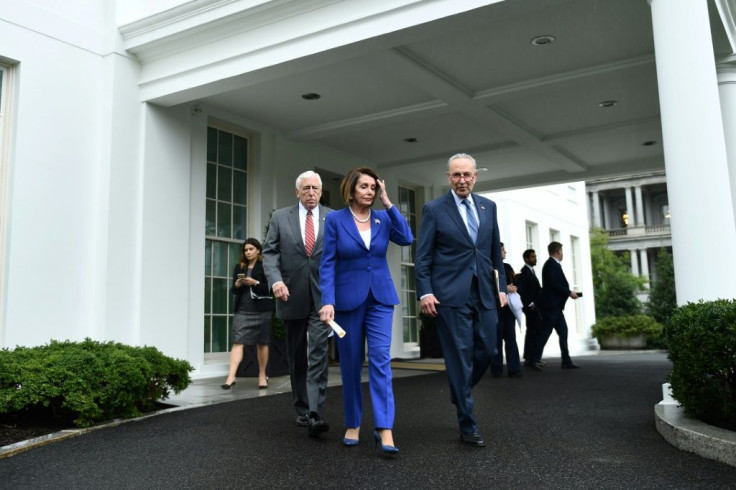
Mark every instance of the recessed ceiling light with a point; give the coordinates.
(608, 103)
(411, 140)
(543, 40)
(649, 143)
(311, 96)
(482, 169)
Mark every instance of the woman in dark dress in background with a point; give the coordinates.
(253, 310)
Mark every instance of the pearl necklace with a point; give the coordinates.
(360, 220)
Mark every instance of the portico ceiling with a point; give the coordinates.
(474, 82)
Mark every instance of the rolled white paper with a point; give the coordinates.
(337, 328)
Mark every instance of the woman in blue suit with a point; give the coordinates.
(359, 294)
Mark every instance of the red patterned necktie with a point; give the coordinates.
(309, 233)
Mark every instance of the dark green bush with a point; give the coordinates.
(702, 348)
(90, 380)
(627, 326)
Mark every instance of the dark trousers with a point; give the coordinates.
(506, 332)
(468, 337)
(306, 344)
(533, 330)
(553, 319)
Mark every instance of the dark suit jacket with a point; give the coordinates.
(349, 271)
(446, 254)
(555, 289)
(261, 289)
(529, 287)
(285, 259)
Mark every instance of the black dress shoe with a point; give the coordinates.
(472, 439)
(516, 375)
(302, 420)
(570, 365)
(317, 426)
(534, 366)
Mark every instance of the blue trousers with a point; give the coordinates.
(468, 338)
(371, 321)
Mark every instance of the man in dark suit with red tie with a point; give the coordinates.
(552, 299)
(529, 289)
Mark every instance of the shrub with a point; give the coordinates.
(89, 380)
(615, 287)
(662, 295)
(627, 326)
(702, 348)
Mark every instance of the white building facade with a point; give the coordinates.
(142, 139)
(531, 219)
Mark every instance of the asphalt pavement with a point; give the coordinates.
(591, 427)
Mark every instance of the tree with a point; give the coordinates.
(662, 296)
(615, 287)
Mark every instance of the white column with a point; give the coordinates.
(596, 209)
(630, 207)
(644, 264)
(634, 255)
(694, 150)
(727, 91)
(639, 206)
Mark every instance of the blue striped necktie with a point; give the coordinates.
(472, 223)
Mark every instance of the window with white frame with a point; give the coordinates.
(575, 261)
(410, 327)
(531, 235)
(554, 235)
(225, 231)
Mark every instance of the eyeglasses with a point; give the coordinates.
(467, 176)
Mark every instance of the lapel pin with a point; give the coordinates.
(483, 208)
(378, 221)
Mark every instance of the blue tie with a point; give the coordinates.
(472, 223)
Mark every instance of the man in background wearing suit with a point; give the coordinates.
(552, 299)
(291, 257)
(457, 251)
(529, 289)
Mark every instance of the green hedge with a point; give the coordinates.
(702, 348)
(627, 326)
(89, 380)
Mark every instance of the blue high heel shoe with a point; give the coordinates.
(350, 442)
(387, 450)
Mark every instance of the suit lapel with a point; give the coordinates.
(454, 215)
(346, 221)
(321, 230)
(296, 227)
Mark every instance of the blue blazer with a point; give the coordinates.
(349, 270)
(446, 255)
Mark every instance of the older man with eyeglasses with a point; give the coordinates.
(458, 250)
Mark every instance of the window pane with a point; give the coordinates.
(211, 181)
(235, 253)
(208, 257)
(223, 220)
(240, 188)
(220, 260)
(240, 157)
(239, 222)
(207, 334)
(219, 295)
(224, 184)
(209, 227)
(219, 334)
(225, 148)
(211, 145)
(207, 294)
